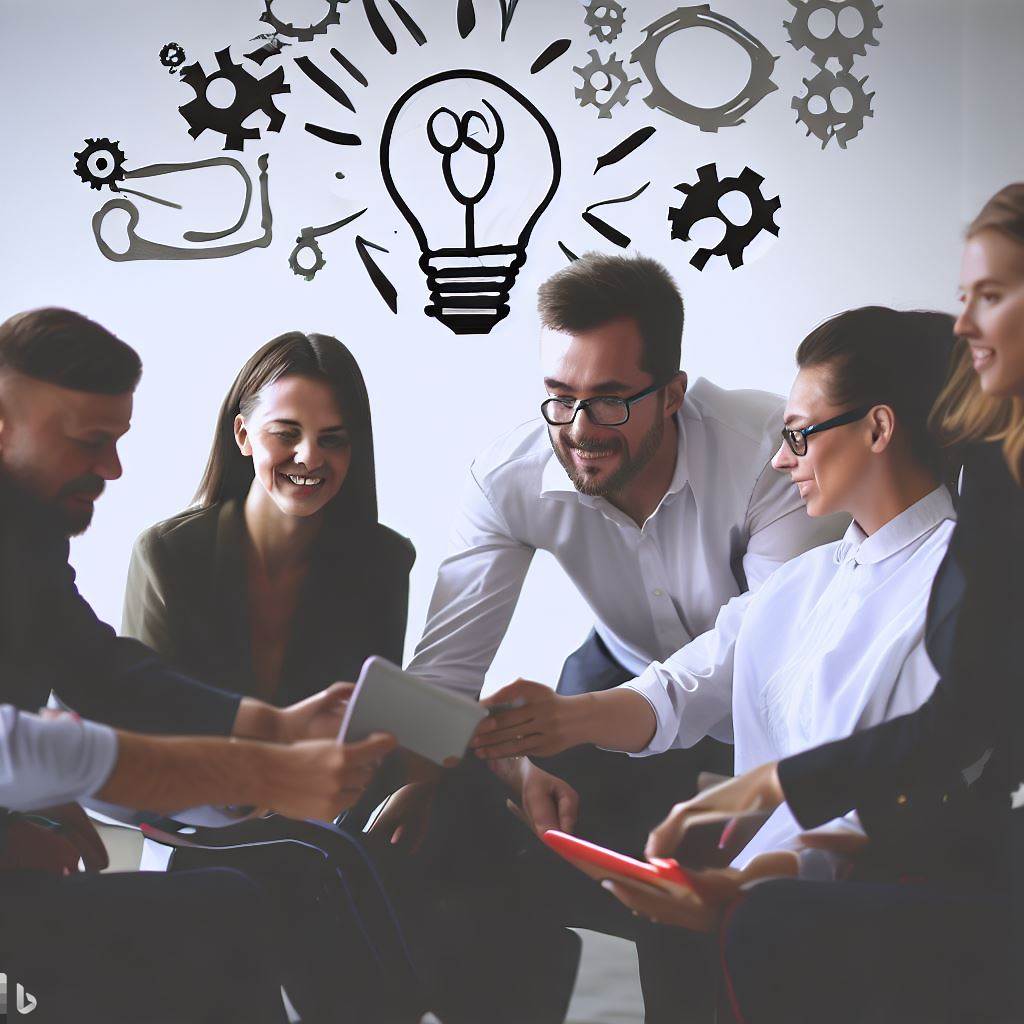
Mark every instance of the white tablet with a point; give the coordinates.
(436, 724)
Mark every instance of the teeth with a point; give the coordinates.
(304, 481)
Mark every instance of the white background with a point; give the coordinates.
(877, 223)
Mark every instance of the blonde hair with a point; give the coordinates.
(963, 413)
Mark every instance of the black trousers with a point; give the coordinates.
(139, 948)
(800, 952)
(475, 841)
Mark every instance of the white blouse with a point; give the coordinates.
(833, 642)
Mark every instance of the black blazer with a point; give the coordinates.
(51, 639)
(915, 779)
(186, 597)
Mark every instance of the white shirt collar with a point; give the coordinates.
(555, 482)
(910, 525)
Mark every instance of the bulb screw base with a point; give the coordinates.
(469, 288)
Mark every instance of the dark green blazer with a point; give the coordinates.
(186, 598)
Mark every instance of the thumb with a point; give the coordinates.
(337, 692)
(567, 803)
(506, 694)
(375, 745)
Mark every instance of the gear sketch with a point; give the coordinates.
(604, 18)
(831, 123)
(707, 119)
(702, 199)
(100, 163)
(836, 45)
(172, 56)
(617, 84)
(306, 241)
(303, 33)
(251, 94)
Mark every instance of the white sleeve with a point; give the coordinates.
(44, 762)
(691, 691)
(779, 528)
(478, 585)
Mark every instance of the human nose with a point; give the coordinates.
(965, 327)
(784, 459)
(109, 465)
(306, 452)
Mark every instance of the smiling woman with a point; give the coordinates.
(281, 580)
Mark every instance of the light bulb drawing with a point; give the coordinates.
(471, 164)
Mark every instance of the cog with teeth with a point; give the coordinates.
(835, 45)
(702, 199)
(831, 123)
(303, 33)
(306, 240)
(100, 163)
(172, 56)
(619, 84)
(251, 94)
(604, 18)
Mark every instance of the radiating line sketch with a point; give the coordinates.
(330, 135)
(380, 280)
(466, 17)
(570, 255)
(508, 10)
(624, 148)
(328, 84)
(551, 53)
(613, 234)
(349, 67)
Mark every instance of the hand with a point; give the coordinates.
(317, 717)
(548, 802)
(755, 790)
(77, 828)
(404, 818)
(542, 723)
(321, 778)
(699, 909)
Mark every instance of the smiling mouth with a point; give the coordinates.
(308, 482)
(981, 357)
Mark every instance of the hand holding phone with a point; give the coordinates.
(601, 863)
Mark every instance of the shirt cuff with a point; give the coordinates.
(649, 685)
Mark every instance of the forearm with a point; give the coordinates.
(166, 774)
(617, 719)
(258, 721)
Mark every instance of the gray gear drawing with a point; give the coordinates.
(707, 119)
(303, 33)
(604, 18)
(619, 84)
(251, 94)
(306, 240)
(832, 123)
(702, 199)
(835, 45)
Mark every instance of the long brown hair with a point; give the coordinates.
(229, 473)
(963, 412)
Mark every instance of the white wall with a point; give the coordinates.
(878, 222)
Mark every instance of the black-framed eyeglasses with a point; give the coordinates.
(797, 439)
(603, 410)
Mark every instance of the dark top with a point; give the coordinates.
(933, 787)
(186, 597)
(51, 639)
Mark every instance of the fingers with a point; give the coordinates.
(845, 843)
(568, 807)
(644, 899)
(81, 831)
(521, 689)
(533, 744)
(679, 907)
(664, 838)
(542, 811)
(373, 748)
(338, 692)
(778, 863)
(502, 726)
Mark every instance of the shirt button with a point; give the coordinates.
(901, 799)
(657, 592)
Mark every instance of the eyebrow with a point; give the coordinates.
(981, 283)
(602, 388)
(794, 416)
(325, 430)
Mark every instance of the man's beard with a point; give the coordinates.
(616, 482)
(50, 515)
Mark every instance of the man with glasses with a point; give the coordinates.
(660, 504)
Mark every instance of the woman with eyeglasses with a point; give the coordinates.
(930, 931)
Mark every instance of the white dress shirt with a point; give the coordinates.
(726, 522)
(48, 762)
(831, 644)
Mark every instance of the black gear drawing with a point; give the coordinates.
(251, 94)
(307, 241)
(835, 45)
(619, 84)
(702, 199)
(604, 18)
(707, 119)
(107, 163)
(172, 56)
(831, 123)
(303, 33)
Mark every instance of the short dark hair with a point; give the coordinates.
(597, 289)
(229, 474)
(878, 355)
(62, 347)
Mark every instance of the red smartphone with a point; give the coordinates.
(655, 872)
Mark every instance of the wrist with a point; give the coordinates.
(775, 792)
(260, 721)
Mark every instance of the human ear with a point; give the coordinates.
(883, 426)
(242, 436)
(675, 391)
